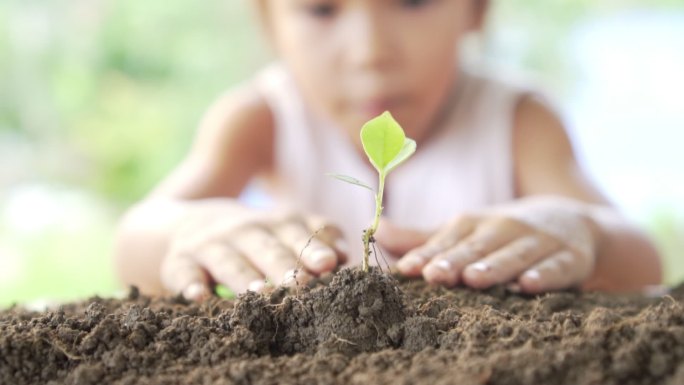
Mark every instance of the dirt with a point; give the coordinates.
(357, 329)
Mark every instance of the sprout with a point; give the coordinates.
(386, 146)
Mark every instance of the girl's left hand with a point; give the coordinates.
(540, 244)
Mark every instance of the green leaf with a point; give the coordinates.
(406, 151)
(382, 139)
(351, 180)
(224, 292)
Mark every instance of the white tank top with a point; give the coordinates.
(465, 165)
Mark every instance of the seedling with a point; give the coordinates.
(386, 146)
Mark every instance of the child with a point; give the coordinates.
(493, 194)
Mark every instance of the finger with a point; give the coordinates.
(446, 267)
(265, 252)
(508, 262)
(229, 268)
(180, 274)
(296, 277)
(329, 234)
(316, 256)
(561, 270)
(398, 240)
(413, 262)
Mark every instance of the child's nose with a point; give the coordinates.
(369, 41)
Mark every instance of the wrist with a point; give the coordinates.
(594, 217)
(565, 219)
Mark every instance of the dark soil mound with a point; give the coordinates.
(355, 313)
(358, 329)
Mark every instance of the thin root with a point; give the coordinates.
(375, 255)
(340, 339)
(385, 260)
(299, 264)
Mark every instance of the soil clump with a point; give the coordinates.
(356, 329)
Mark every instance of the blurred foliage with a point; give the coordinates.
(98, 100)
(54, 245)
(116, 87)
(528, 34)
(101, 97)
(667, 229)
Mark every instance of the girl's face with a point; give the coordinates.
(354, 59)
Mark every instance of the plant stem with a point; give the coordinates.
(368, 234)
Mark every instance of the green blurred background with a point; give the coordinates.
(99, 99)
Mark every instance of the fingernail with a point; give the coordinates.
(439, 272)
(195, 292)
(480, 266)
(321, 259)
(342, 246)
(256, 286)
(409, 263)
(533, 275)
(655, 291)
(443, 264)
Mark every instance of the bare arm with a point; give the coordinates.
(546, 165)
(559, 233)
(233, 144)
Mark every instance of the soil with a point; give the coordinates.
(356, 329)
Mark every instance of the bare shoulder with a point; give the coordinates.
(234, 142)
(239, 119)
(537, 129)
(543, 154)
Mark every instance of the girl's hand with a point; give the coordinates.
(541, 244)
(244, 248)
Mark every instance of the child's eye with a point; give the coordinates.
(321, 10)
(414, 3)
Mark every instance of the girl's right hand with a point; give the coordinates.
(244, 248)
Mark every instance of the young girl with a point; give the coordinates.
(493, 195)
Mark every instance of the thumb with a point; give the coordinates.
(399, 240)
